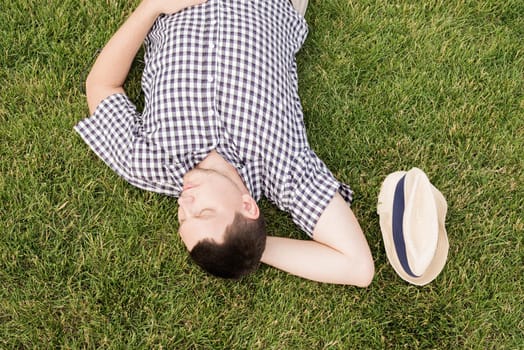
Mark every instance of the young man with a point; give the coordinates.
(222, 125)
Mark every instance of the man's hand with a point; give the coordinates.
(169, 7)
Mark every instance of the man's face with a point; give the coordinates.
(207, 205)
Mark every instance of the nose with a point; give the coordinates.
(185, 199)
(184, 206)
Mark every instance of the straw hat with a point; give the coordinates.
(412, 220)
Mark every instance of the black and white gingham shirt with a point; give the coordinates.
(221, 76)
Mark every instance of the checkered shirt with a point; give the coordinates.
(219, 76)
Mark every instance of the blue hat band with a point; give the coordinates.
(398, 229)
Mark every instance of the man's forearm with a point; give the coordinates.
(312, 260)
(339, 252)
(112, 65)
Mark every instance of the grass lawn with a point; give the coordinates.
(88, 261)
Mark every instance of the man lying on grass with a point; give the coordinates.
(222, 125)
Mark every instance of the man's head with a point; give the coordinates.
(220, 224)
(239, 254)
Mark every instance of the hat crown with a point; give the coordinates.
(420, 221)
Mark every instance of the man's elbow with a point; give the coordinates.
(91, 90)
(91, 83)
(97, 90)
(366, 272)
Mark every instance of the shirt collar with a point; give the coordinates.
(251, 174)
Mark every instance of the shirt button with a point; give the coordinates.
(210, 79)
(211, 112)
(212, 46)
(213, 22)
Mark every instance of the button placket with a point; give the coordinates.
(213, 72)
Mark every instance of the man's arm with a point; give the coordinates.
(108, 74)
(338, 254)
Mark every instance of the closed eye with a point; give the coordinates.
(205, 213)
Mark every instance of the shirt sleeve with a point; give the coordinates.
(114, 133)
(309, 189)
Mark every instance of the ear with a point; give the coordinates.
(250, 207)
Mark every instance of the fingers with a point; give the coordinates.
(169, 7)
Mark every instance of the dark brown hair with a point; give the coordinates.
(239, 254)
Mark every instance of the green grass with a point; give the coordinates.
(87, 261)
